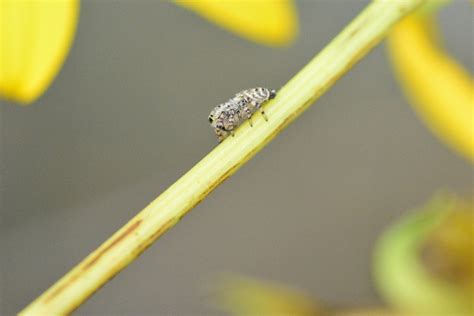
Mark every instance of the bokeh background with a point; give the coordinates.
(127, 116)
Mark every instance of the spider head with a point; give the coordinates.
(272, 94)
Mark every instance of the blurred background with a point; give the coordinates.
(127, 116)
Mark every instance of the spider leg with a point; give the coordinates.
(263, 114)
(248, 114)
(259, 106)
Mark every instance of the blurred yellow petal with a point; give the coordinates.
(441, 91)
(35, 37)
(372, 312)
(270, 22)
(245, 296)
(240, 296)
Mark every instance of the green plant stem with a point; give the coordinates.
(361, 35)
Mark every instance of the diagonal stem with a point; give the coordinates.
(361, 35)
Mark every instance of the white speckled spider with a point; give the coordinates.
(226, 117)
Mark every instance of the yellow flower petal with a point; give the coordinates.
(441, 91)
(35, 37)
(241, 296)
(247, 296)
(271, 22)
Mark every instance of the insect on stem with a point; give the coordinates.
(227, 116)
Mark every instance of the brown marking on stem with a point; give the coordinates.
(60, 288)
(119, 267)
(110, 275)
(112, 244)
(92, 261)
(167, 225)
(354, 32)
(85, 297)
(214, 185)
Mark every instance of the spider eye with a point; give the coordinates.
(211, 119)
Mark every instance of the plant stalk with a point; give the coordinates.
(360, 36)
